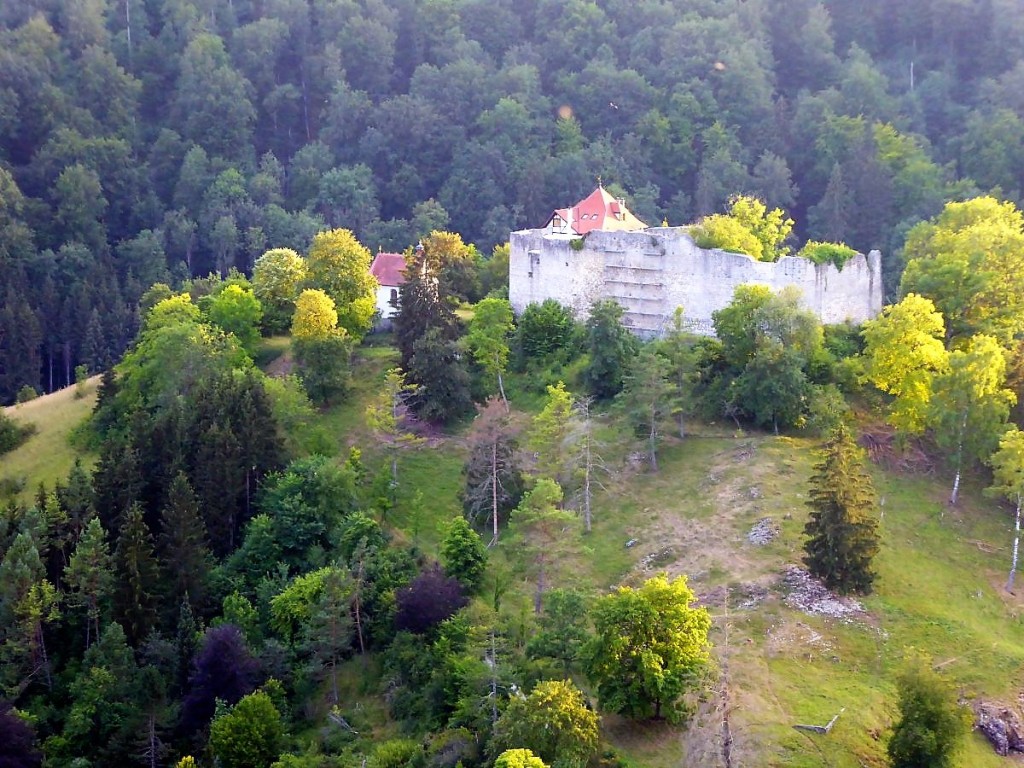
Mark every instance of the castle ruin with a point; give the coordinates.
(651, 271)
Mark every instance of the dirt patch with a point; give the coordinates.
(281, 366)
(807, 594)
(907, 456)
(796, 639)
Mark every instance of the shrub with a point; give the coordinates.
(827, 253)
(543, 331)
(13, 434)
(727, 234)
(26, 393)
(396, 753)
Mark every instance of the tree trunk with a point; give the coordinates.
(538, 598)
(501, 388)
(494, 493)
(654, 444)
(959, 461)
(586, 479)
(1016, 548)
(358, 596)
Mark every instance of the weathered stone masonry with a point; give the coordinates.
(651, 272)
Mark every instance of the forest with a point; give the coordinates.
(155, 140)
(241, 527)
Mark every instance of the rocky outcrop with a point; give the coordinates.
(1001, 725)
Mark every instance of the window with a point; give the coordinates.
(394, 296)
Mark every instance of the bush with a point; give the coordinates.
(727, 234)
(26, 393)
(827, 253)
(13, 434)
(932, 725)
(544, 331)
(396, 753)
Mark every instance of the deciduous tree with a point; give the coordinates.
(1008, 480)
(611, 349)
(903, 353)
(387, 414)
(339, 265)
(969, 404)
(553, 721)
(649, 649)
(541, 523)
(488, 338)
(277, 279)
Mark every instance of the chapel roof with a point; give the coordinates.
(389, 269)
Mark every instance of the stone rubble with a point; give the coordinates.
(807, 594)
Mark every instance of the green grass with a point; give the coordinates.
(47, 456)
(939, 587)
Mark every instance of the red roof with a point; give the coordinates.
(389, 269)
(599, 210)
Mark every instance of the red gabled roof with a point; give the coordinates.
(389, 269)
(599, 210)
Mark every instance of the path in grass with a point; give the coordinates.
(47, 456)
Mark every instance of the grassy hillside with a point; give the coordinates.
(47, 456)
(939, 588)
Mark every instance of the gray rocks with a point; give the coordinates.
(1001, 725)
(764, 532)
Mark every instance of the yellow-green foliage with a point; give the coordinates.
(339, 265)
(903, 352)
(827, 253)
(315, 316)
(726, 233)
(748, 228)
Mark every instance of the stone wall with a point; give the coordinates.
(652, 272)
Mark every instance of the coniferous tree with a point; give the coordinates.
(843, 528)
(90, 577)
(138, 575)
(182, 543)
(611, 348)
(442, 382)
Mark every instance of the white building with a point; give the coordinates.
(389, 269)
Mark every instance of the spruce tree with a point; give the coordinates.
(843, 527)
(90, 578)
(137, 576)
(182, 541)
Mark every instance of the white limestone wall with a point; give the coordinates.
(652, 272)
(384, 302)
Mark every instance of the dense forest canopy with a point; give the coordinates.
(149, 139)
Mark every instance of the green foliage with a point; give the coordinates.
(649, 650)
(442, 383)
(836, 254)
(325, 370)
(563, 630)
(543, 331)
(488, 336)
(553, 721)
(12, 433)
(903, 353)
(577, 243)
(646, 399)
(549, 432)
(277, 279)
(518, 758)
(932, 726)
(396, 753)
(249, 735)
(969, 261)
(339, 265)
(315, 316)
(610, 349)
(237, 311)
(748, 228)
(463, 554)
(726, 233)
(843, 527)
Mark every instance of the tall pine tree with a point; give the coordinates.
(182, 542)
(843, 527)
(137, 576)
